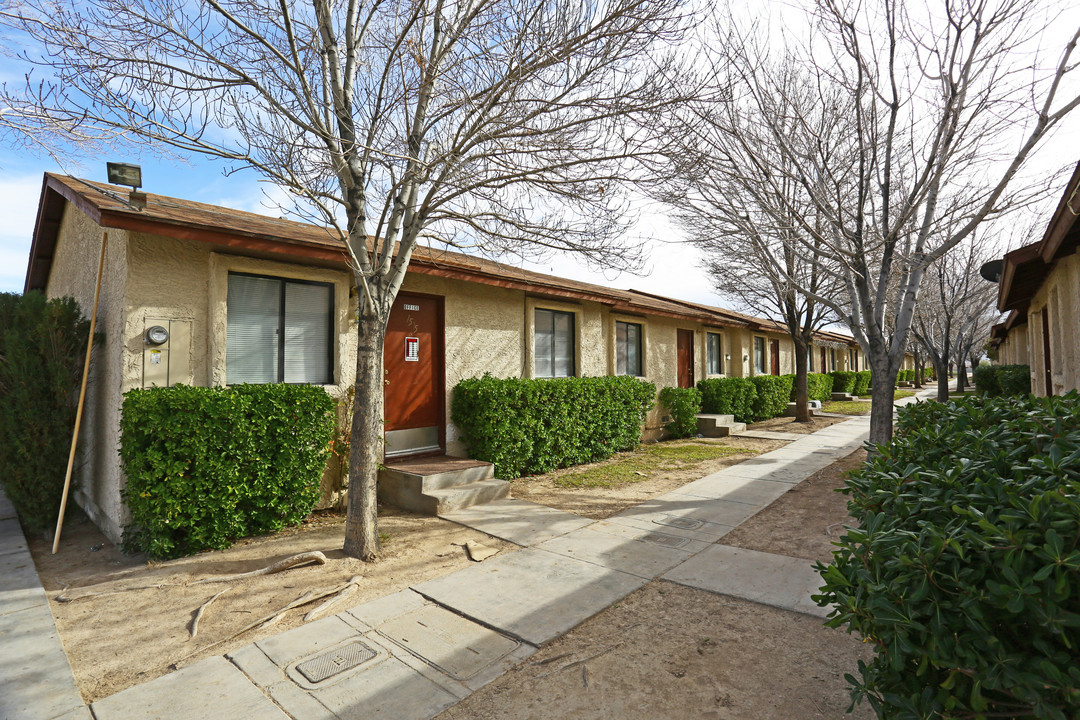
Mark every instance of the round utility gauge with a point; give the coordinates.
(157, 335)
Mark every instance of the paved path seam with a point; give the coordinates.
(569, 569)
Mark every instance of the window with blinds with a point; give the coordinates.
(628, 349)
(553, 342)
(713, 348)
(278, 331)
(759, 355)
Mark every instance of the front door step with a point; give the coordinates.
(710, 425)
(435, 485)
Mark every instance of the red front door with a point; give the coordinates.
(413, 358)
(686, 358)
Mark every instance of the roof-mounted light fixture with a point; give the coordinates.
(128, 174)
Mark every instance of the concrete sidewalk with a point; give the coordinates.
(35, 678)
(416, 652)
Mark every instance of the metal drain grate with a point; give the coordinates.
(680, 522)
(664, 539)
(336, 661)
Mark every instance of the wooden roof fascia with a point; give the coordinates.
(184, 231)
(1009, 296)
(1063, 220)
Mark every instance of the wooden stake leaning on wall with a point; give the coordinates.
(82, 397)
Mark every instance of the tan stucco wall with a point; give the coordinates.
(1014, 348)
(74, 273)
(1060, 295)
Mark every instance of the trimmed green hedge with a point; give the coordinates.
(996, 380)
(206, 466)
(42, 349)
(819, 387)
(843, 381)
(534, 426)
(683, 405)
(862, 382)
(728, 396)
(771, 396)
(963, 570)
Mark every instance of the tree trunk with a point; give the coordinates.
(919, 364)
(883, 374)
(941, 369)
(361, 526)
(961, 375)
(802, 392)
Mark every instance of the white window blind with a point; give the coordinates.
(553, 340)
(628, 349)
(278, 331)
(307, 334)
(251, 348)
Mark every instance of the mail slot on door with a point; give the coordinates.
(412, 349)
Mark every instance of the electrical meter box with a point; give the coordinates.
(166, 352)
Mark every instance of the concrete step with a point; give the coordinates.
(710, 425)
(421, 479)
(815, 407)
(437, 502)
(843, 397)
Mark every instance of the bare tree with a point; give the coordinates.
(941, 105)
(956, 309)
(507, 125)
(721, 184)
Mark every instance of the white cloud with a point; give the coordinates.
(18, 210)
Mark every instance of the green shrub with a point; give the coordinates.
(928, 373)
(963, 570)
(862, 382)
(843, 381)
(42, 349)
(996, 380)
(905, 376)
(985, 377)
(683, 405)
(771, 395)
(205, 466)
(818, 386)
(728, 396)
(534, 426)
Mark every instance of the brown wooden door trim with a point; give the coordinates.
(438, 362)
(684, 358)
(1048, 383)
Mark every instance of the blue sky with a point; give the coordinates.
(672, 269)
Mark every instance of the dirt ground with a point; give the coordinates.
(805, 521)
(119, 640)
(599, 503)
(668, 651)
(664, 647)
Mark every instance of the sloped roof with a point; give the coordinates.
(261, 236)
(1026, 269)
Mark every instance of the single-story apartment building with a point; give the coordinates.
(205, 295)
(1040, 289)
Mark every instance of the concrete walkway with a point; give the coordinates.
(35, 678)
(416, 652)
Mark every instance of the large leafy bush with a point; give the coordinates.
(728, 396)
(534, 426)
(683, 406)
(42, 348)
(862, 382)
(818, 386)
(771, 395)
(963, 573)
(205, 466)
(995, 380)
(843, 381)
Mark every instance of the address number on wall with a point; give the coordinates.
(414, 308)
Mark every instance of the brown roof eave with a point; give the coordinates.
(1063, 220)
(1010, 294)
